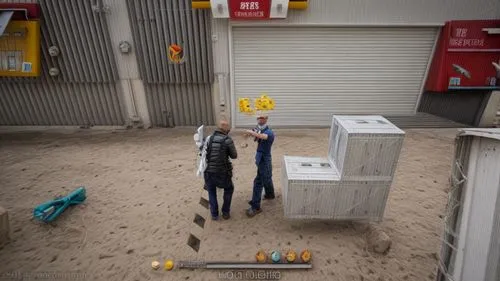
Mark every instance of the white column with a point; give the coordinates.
(132, 86)
(221, 90)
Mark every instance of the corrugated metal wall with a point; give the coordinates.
(46, 103)
(85, 92)
(174, 89)
(173, 105)
(156, 24)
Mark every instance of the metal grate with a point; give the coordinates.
(173, 105)
(453, 212)
(156, 24)
(49, 103)
(85, 92)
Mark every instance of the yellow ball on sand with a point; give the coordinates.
(291, 256)
(155, 265)
(169, 265)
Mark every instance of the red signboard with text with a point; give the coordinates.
(249, 9)
(467, 57)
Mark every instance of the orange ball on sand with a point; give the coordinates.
(305, 256)
(261, 256)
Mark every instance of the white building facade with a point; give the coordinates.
(335, 57)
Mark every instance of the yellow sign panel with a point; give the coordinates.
(20, 49)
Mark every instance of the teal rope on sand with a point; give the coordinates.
(50, 210)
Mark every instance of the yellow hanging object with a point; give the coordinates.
(271, 103)
(264, 103)
(261, 256)
(305, 256)
(244, 105)
(291, 256)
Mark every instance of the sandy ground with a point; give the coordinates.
(142, 193)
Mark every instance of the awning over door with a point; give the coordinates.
(5, 17)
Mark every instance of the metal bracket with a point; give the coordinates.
(492, 30)
(103, 9)
(99, 7)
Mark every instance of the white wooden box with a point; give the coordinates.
(312, 189)
(364, 147)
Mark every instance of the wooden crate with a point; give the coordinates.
(312, 189)
(364, 147)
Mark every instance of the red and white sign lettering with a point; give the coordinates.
(249, 9)
(470, 35)
(249, 5)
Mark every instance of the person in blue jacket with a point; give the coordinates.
(264, 137)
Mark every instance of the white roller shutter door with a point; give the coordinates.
(314, 72)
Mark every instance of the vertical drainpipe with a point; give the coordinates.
(131, 84)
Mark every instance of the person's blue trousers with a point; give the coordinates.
(263, 180)
(221, 180)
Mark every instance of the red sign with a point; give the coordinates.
(467, 57)
(22, 10)
(249, 9)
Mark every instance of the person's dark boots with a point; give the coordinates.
(251, 212)
(226, 216)
(269, 197)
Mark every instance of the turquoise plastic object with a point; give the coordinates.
(276, 256)
(50, 210)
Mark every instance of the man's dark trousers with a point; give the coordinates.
(263, 180)
(221, 180)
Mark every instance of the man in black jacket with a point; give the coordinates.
(219, 171)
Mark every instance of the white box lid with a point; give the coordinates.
(310, 168)
(367, 124)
